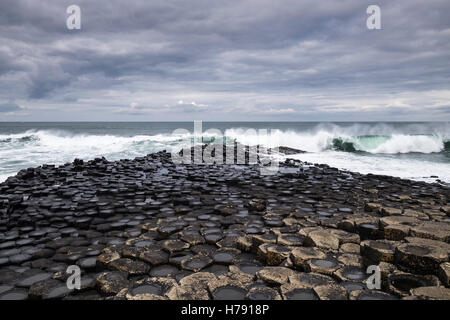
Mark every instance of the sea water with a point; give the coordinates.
(418, 151)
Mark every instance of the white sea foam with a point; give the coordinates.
(403, 168)
(324, 144)
(322, 140)
(409, 143)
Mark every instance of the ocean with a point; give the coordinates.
(412, 150)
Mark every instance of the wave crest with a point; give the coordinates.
(322, 140)
(392, 144)
(313, 141)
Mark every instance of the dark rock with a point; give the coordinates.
(370, 295)
(147, 216)
(432, 230)
(196, 263)
(163, 270)
(275, 275)
(16, 294)
(224, 256)
(444, 273)
(42, 288)
(292, 293)
(150, 288)
(277, 254)
(350, 273)
(132, 267)
(401, 284)
(431, 293)
(293, 240)
(29, 281)
(324, 266)
(331, 292)
(229, 293)
(262, 293)
(287, 151)
(322, 239)
(154, 257)
(175, 245)
(300, 255)
(111, 283)
(421, 255)
(378, 250)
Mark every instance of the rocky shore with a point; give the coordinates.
(147, 229)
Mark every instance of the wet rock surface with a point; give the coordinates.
(149, 229)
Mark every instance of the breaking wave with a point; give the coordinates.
(326, 143)
(392, 144)
(328, 140)
(321, 140)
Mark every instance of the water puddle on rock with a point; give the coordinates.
(354, 274)
(163, 271)
(197, 263)
(142, 244)
(301, 294)
(147, 289)
(177, 257)
(324, 263)
(249, 268)
(353, 286)
(14, 295)
(33, 279)
(58, 292)
(5, 288)
(217, 269)
(375, 296)
(262, 294)
(229, 293)
(223, 257)
(407, 282)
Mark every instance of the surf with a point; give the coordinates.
(395, 144)
(394, 149)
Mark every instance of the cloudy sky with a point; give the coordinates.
(162, 60)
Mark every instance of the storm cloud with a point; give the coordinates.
(225, 60)
(9, 107)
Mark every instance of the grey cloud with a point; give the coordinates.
(229, 55)
(9, 107)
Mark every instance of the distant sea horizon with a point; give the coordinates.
(412, 150)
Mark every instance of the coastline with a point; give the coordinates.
(147, 229)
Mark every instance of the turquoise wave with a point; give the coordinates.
(370, 143)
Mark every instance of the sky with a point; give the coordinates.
(227, 60)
